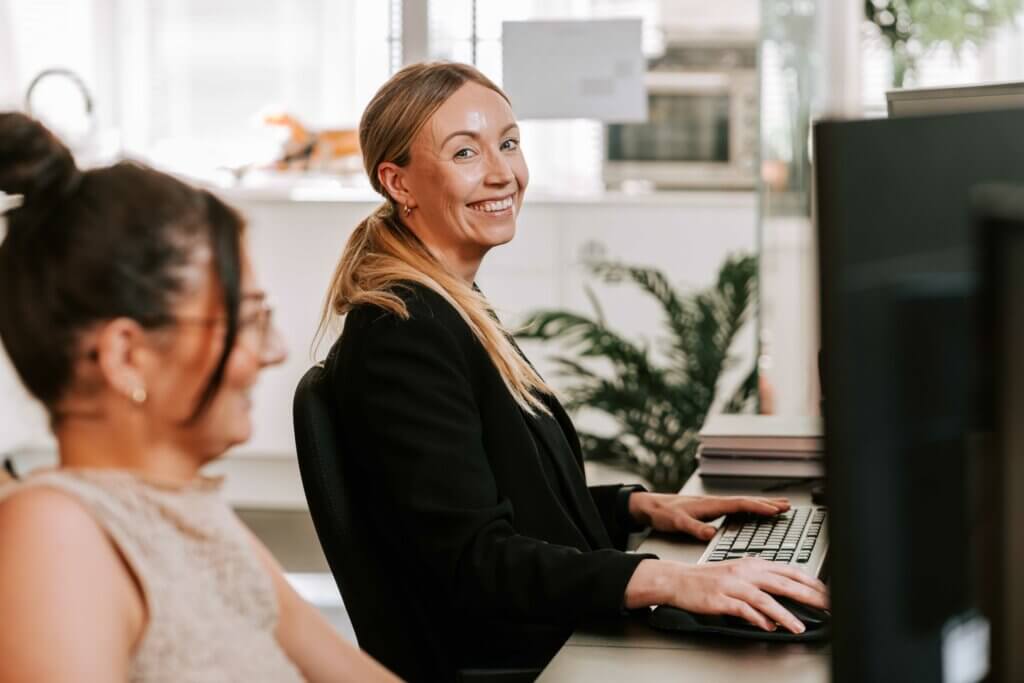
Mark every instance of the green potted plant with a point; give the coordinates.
(657, 408)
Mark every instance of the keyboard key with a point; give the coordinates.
(785, 538)
(764, 546)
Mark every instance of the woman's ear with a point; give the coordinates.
(121, 355)
(392, 179)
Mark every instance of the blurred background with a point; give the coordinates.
(708, 188)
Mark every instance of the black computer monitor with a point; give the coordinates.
(900, 337)
(1000, 221)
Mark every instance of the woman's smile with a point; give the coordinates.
(495, 207)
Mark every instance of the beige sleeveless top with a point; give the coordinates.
(210, 602)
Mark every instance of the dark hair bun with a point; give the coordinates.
(35, 164)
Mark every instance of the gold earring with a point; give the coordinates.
(139, 395)
(406, 210)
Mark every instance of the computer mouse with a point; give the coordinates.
(812, 617)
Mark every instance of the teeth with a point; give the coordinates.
(493, 207)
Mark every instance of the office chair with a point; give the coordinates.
(390, 625)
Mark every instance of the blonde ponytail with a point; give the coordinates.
(382, 254)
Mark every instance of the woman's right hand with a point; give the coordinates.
(741, 588)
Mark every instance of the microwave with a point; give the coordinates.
(701, 133)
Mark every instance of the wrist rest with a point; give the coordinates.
(666, 618)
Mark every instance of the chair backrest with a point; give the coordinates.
(389, 624)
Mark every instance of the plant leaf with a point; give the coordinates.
(657, 410)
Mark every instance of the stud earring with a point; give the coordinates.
(406, 210)
(139, 395)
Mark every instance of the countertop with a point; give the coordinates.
(327, 193)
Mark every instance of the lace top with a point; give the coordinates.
(211, 605)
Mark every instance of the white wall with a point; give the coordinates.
(296, 244)
(8, 69)
(21, 420)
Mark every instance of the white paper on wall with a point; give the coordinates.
(575, 69)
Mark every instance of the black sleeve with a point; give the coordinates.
(416, 405)
(612, 502)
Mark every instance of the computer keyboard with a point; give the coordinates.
(798, 537)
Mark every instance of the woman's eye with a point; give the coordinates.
(464, 153)
(510, 144)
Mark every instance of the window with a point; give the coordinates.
(36, 35)
(1001, 58)
(209, 70)
(185, 83)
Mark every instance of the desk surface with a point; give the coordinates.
(630, 650)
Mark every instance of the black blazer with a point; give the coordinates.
(493, 538)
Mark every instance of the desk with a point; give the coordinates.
(629, 650)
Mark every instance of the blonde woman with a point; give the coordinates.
(469, 471)
(131, 312)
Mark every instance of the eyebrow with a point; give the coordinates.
(257, 295)
(474, 134)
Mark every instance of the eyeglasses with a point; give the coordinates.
(254, 328)
(259, 325)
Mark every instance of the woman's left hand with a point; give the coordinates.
(688, 514)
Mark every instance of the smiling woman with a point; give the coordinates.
(459, 459)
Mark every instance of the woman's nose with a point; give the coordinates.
(499, 171)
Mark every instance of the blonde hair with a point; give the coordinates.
(383, 255)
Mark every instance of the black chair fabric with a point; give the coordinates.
(388, 626)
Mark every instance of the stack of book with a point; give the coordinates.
(762, 446)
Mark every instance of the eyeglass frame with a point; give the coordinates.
(266, 325)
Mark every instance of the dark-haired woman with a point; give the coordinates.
(130, 310)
